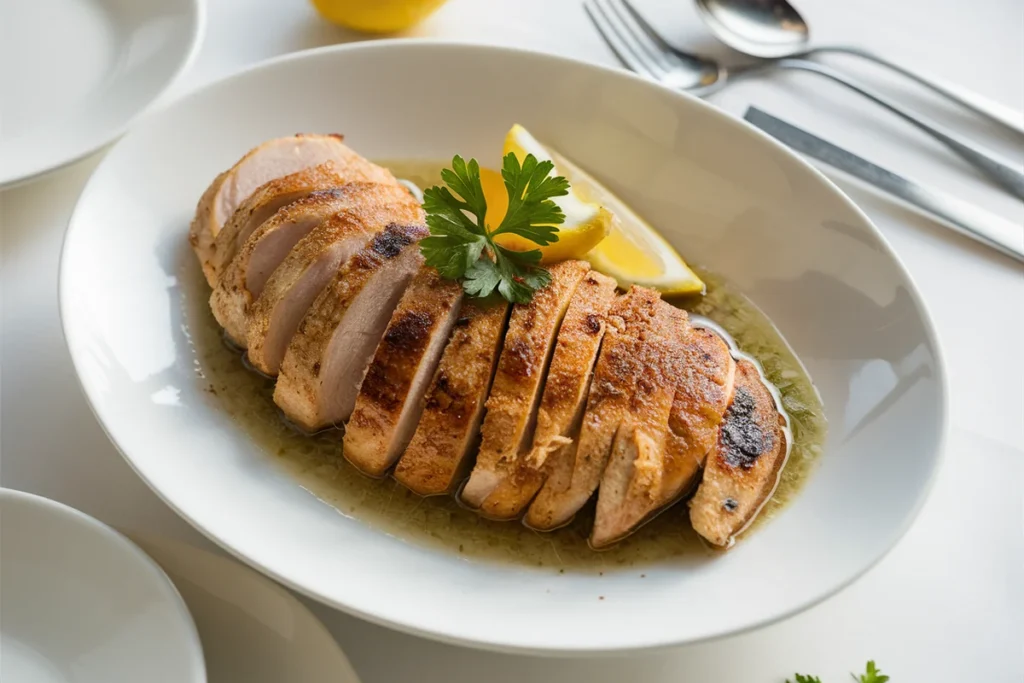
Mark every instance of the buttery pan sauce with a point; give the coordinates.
(316, 463)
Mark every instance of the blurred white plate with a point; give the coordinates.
(75, 73)
(252, 629)
(81, 604)
(723, 193)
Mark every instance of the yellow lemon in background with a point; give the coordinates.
(376, 16)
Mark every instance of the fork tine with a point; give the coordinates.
(643, 36)
(609, 28)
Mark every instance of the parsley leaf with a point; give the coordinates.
(461, 247)
(873, 675)
(800, 678)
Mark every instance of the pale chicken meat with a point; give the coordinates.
(638, 324)
(274, 316)
(743, 469)
(507, 429)
(650, 470)
(389, 403)
(242, 280)
(564, 396)
(327, 358)
(270, 160)
(268, 198)
(447, 434)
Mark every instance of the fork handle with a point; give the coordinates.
(994, 111)
(1007, 176)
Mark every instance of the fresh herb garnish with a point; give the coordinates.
(873, 675)
(462, 247)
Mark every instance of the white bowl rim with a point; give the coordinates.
(163, 582)
(482, 641)
(198, 34)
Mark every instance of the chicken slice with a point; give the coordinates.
(564, 397)
(639, 482)
(637, 325)
(271, 196)
(334, 344)
(272, 159)
(389, 403)
(242, 280)
(274, 317)
(512, 404)
(742, 473)
(448, 430)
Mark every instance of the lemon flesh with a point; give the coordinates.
(376, 16)
(586, 223)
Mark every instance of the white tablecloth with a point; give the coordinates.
(946, 605)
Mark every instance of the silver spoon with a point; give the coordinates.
(644, 51)
(773, 29)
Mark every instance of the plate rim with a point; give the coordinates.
(499, 644)
(197, 36)
(138, 555)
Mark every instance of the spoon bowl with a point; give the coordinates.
(760, 29)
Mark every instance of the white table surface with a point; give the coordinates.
(946, 605)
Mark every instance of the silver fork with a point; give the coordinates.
(641, 49)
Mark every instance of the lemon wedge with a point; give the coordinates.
(586, 223)
(601, 228)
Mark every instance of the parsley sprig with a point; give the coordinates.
(873, 675)
(462, 247)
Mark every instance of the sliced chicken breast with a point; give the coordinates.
(274, 317)
(242, 280)
(334, 344)
(390, 399)
(271, 196)
(272, 159)
(641, 479)
(448, 430)
(512, 404)
(564, 395)
(636, 324)
(744, 469)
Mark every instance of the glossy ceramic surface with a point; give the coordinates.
(726, 195)
(252, 629)
(100, 63)
(81, 604)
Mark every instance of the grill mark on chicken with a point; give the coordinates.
(744, 468)
(390, 399)
(243, 279)
(343, 327)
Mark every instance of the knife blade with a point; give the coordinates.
(974, 222)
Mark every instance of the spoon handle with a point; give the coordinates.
(994, 111)
(1010, 178)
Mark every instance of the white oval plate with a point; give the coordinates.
(75, 73)
(82, 604)
(252, 629)
(726, 195)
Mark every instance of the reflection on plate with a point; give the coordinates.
(252, 630)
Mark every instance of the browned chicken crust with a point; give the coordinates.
(744, 469)
(454, 403)
(564, 398)
(511, 406)
(325, 362)
(390, 398)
